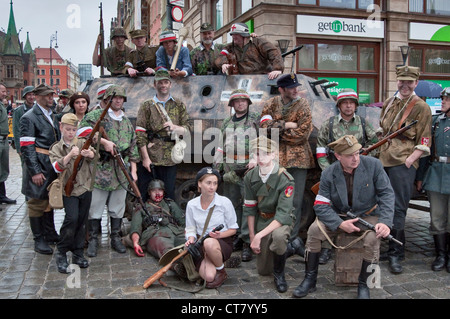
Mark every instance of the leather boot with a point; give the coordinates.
(51, 236)
(94, 226)
(279, 262)
(296, 247)
(440, 244)
(78, 259)
(396, 251)
(325, 255)
(116, 240)
(363, 289)
(247, 253)
(3, 198)
(311, 270)
(62, 263)
(40, 245)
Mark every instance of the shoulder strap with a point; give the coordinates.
(408, 110)
(207, 220)
(363, 126)
(330, 130)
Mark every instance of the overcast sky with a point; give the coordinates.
(77, 23)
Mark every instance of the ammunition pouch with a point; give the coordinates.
(151, 220)
(151, 136)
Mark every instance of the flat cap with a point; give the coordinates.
(347, 144)
(405, 73)
(43, 89)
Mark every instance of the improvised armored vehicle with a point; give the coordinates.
(206, 99)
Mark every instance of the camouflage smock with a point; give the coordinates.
(150, 121)
(259, 56)
(115, 60)
(147, 55)
(122, 134)
(417, 137)
(203, 60)
(341, 128)
(294, 148)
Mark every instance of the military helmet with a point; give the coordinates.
(118, 32)
(347, 94)
(445, 92)
(239, 94)
(27, 90)
(156, 184)
(120, 91)
(66, 93)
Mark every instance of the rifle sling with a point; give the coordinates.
(408, 110)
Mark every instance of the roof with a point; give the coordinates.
(44, 53)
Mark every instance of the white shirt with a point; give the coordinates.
(223, 213)
(47, 114)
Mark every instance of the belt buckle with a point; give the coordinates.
(443, 159)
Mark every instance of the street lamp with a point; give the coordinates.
(284, 45)
(404, 49)
(53, 37)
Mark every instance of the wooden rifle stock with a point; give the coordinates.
(183, 33)
(315, 187)
(71, 181)
(102, 45)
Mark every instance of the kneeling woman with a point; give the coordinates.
(203, 214)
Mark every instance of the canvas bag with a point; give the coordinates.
(55, 192)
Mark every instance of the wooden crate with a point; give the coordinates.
(348, 262)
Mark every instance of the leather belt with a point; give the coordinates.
(42, 151)
(267, 215)
(238, 157)
(443, 159)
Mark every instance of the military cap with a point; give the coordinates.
(43, 89)
(207, 170)
(241, 29)
(162, 74)
(347, 94)
(26, 90)
(156, 184)
(139, 33)
(120, 91)
(264, 144)
(118, 32)
(347, 144)
(288, 81)
(239, 94)
(205, 27)
(66, 93)
(406, 73)
(167, 36)
(79, 95)
(70, 118)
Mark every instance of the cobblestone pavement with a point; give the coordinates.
(25, 274)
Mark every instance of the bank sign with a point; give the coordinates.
(318, 25)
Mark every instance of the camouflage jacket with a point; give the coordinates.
(145, 56)
(417, 137)
(294, 148)
(109, 176)
(203, 60)
(150, 131)
(115, 59)
(172, 220)
(237, 134)
(339, 129)
(259, 56)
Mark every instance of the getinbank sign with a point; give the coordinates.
(366, 28)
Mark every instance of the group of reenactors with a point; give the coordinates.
(264, 175)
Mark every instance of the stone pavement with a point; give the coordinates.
(25, 274)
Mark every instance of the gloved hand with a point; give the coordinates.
(195, 252)
(138, 250)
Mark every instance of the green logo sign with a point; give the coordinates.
(336, 26)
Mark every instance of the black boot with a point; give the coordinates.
(78, 259)
(3, 198)
(94, 226)
(116, 240)
(247, 253)
(296, 247)
(61, 262)
(279, 262)
(440, 244)
(325, 255)
(363, 289)
(40, 245)
(309, 282)
(51, 236)
(396, 252)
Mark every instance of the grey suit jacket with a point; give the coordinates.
(371, 186)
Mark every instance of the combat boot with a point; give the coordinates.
(78, 258)
(40, 245)
(116, 240)
(363, 289)
(61, 262)
(311, 270)
(396, 252)
(3, 198)
(51, 236)
(94, 226)
(279, 262)
(247, 254)
(440, 244)
(295, 247)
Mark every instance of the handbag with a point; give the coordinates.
(55, 192)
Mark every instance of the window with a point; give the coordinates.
(10, 71)
(217, 14)
(42, 72)
(349, 4)
(438, 7)
(57, 72)
(430, 60)
(242, 6)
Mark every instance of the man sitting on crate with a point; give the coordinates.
(354, 183)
